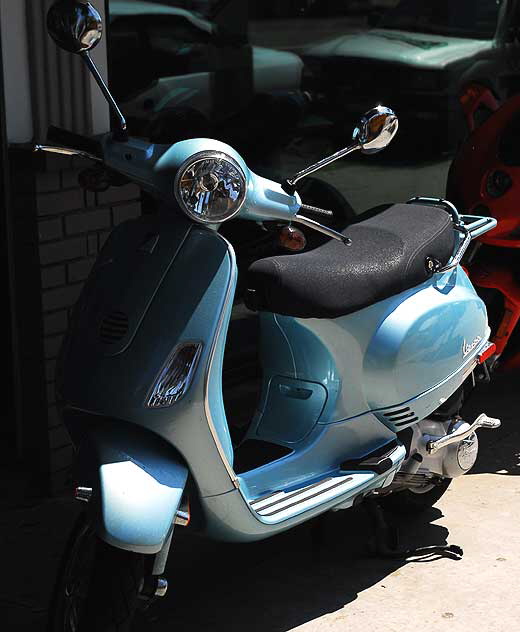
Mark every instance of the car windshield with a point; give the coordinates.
(460, 18)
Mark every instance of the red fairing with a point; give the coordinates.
(476, 96)
(484, 179)
(485, 175)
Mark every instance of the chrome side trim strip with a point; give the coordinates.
(227, 300)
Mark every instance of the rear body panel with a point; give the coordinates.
(386, 354)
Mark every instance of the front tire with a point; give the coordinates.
(98, 587)
(409, 502)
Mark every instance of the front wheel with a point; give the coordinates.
(421, 499)
(98, 587)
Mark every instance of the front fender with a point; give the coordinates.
(137, 482)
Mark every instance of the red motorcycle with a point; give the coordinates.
(484, 178)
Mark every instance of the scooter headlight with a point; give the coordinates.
(210, 187)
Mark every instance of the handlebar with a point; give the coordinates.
(83, 144)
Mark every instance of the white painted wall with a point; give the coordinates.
(16, 71)
(17, 78)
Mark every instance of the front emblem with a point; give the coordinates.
(468, 347)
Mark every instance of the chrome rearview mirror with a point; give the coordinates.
(74, 26)
(77, 27)
(376, 129)
(374, 132)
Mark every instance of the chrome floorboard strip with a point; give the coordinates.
(282, 505)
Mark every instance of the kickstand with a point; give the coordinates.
(385, 541)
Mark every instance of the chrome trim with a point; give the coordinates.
(161, 587)
(478, 225)
(310, 223)
(276, 497)
(458, 225)
(199, 157)
(323, 163)
(282, 501)
(227, 300)
(278, 507)
(267, 507)
(463, 432)
(430, 201)
(463, 246)
(182, 518)
(66, 151)
(85, 55)
(84, 494)
(375, 131)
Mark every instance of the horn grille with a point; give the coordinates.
(114, 327)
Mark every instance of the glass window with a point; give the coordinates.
(465, 18)
(285, 81)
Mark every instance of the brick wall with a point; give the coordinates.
(73, 225)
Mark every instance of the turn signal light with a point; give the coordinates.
(176, 375)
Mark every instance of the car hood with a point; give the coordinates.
(142, 8)
(273, 57)
(422, 50)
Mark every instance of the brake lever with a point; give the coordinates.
(325, 230)
(66, 151)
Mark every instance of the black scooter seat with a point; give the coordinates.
(390, 252)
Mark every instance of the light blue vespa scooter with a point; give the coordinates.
(366, 345)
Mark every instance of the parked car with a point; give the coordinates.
(162, 60)
(328, 8)
(418, 59)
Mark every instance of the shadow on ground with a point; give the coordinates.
(281, 583)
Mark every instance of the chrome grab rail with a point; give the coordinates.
(463, 246)
(429, 201)
(478, 225)
(471, 230)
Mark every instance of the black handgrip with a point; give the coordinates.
(74, 141)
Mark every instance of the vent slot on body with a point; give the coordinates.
(114, 327)
(401, 416)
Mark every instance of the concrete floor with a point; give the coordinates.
(320, 577)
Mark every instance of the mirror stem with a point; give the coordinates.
(120, 134)
(289, 186)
